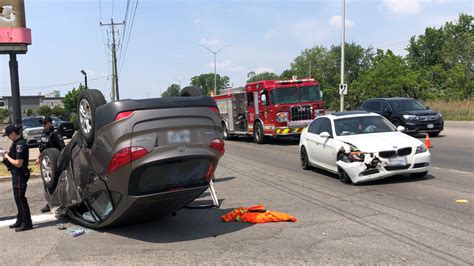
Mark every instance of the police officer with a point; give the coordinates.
(50, 138)
(16, 160)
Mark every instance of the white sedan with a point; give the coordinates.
(360, 146)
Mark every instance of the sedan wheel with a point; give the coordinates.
(343, 177)
(304, 159)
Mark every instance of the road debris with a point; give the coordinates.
(256, 214)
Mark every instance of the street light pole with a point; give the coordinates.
(85, 78)
(343, 26)
(215, 63)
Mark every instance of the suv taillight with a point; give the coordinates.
(125, 156)
(218, 145)
(123, 115)
(214, 109)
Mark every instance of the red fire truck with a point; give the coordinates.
(270, 108)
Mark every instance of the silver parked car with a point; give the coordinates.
(32, 130)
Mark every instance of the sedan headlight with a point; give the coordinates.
(25, 134)
(420, 149)
(439, 115)
(409, 117)
(357, 155)
(282, 117)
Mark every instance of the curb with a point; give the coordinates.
(9, 178)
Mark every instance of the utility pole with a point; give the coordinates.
(115, 87)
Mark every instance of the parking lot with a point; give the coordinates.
(395, 220)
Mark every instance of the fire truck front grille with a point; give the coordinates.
(300, 113)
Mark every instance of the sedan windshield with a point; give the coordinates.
(407, 105)
(296, 95)
(362, 125)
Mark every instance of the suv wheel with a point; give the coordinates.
(49, 168)
(88, 102)
(191, 91)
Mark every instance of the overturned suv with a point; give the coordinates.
(134, 160)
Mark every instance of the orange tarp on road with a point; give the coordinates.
(257, 214)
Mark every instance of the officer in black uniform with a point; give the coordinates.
(16, 161)
(50, 138)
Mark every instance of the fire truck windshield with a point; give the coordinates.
(295, 95)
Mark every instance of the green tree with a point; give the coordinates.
(206, 82)
(323, 65)
(443, 57)
(263, 76)
(44, 110)
(70, 99)
(4, 114)
(29, 112)
(58, 111)
(75, 120)
(172, 91)
(389, 76)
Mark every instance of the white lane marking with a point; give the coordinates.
(452, 170)
(48, 217)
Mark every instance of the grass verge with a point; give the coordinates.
(35, 169)
(454, 110)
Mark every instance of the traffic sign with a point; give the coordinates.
(343, 89)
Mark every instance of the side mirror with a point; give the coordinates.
(324, 135)
(387, 111)
(401, 128)
(427, 107)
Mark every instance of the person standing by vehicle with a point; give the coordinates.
(49, 139)
(16, 160)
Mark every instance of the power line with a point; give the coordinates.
(53, 85)
(125, 21)
(128, 38)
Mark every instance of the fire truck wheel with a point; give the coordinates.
(227, 136)
(258, 134)
(304, 159)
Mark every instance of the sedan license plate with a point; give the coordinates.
(397, 161)
(181, 136)
(430, 126)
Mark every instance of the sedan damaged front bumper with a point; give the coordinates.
(367, 170)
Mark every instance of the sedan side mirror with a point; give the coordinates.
(324, 135)
(401, 128)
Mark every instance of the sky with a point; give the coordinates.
(165, 38)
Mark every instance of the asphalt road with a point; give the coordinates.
(399, 220)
